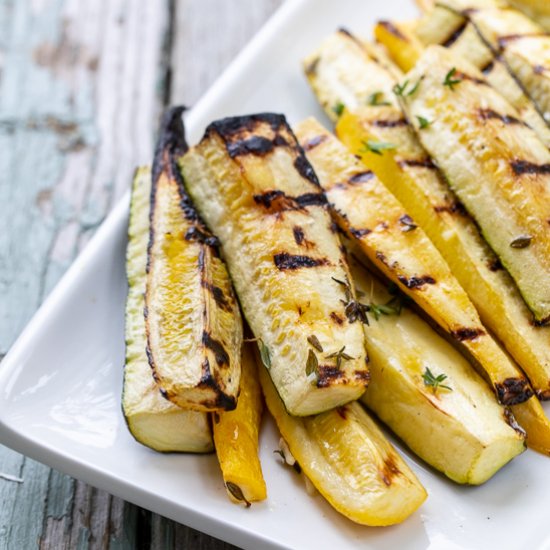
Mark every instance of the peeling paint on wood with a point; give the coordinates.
(82, 83)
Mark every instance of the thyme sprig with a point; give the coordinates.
(340, 356)
(376, 147)
(354, 310)
(424, 122)
(450, 81)
(338, 108)
(377, 99)
(314, 341)
(401, 89)
(435, 382)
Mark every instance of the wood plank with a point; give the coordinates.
(81, 86)
(79, 106)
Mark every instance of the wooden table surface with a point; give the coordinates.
(82, 85)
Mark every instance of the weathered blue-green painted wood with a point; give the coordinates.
(82, 83)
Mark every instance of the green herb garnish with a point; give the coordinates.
(314, 341)
(521, 242)
(340, 356)
(354, 310)
(265, 355)
(237, 493)
(393, 307)
(450, 81)
(376, 147)
(376, 99)
(424, 122)
(435, 382)
(401, 89)
(338, 108)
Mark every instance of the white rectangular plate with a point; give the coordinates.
(60, 385)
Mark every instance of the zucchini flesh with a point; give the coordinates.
(454, 31)
(257, 192)
(236, 438)
(194, 328)
(441, 26)
(461, 431)
(349, 461)
(496, 165)
(412, 177)
(538, 10)
(388, 236)
(151, 419)
(340, 60)
(520, 42)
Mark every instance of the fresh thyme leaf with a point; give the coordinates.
(312, 363)
(407, 222)
(356, 311)
(338, 108)
(346, 286)
(424, 122)
(450, 81)
(393, 307)
(376, 147)
(377, 98)
(523, 241)
(399, 89)
(339, 356)
(236, 491)
(314, 341)
(265, 355)
(435, 382)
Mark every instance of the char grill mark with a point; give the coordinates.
(465, 333)
(454, 208)
(361, 177)
(455, 36)
(277, 201)
(513, 391)
(222, 357)
(390, 123)
(416, 282)
(488, 68)
(202, 236)
(218, 295)
(313, 142)
(359, 233)
(327, 375)
(417, 163)
(522, 167)
(489, 114)
(392, 29)
(285, 261)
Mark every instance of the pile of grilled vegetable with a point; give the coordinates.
(400, 265)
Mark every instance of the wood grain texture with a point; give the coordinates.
(82, 83)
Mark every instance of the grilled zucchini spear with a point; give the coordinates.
(236, 438)
(349, 461)
(429, 395)
(412, 177)
(538, 10)
(151, 419)
(406, 42)
(194, 329)
(254, 187)
(520, 42)
(368, 212)
(495, 163)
